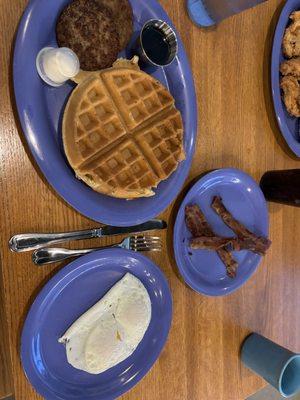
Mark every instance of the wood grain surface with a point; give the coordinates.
(236, 129)
(5, 363)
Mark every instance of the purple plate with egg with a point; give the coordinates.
(203, 270)
(288, 125)
(68, 295)
(41, 107)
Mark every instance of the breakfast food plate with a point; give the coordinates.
(288, 124)
(41, 110)
(203, 269)
(70, 294)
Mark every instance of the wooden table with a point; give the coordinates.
(236, 129)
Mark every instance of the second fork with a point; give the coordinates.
(135, 243)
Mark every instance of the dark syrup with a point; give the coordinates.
(156, 45)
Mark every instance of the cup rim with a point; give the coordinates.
(39, 68)
(142, 47)
(281, 376)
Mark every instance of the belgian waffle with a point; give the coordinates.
(122, 133)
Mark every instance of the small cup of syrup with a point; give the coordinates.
(157, 43)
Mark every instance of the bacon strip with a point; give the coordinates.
(230, 263)
(257, 246)
(232, 244)
(210, 243)
(247, 239)
(198, 226)
(196, 222)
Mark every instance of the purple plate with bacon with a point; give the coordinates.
(221, 231)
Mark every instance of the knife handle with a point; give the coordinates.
(32, 241)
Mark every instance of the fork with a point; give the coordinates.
(135, 243)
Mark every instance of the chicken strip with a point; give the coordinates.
(291, 67)
(291, 94)
(291, 39)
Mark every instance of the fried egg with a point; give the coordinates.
(110, 331)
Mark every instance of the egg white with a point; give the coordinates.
(110, 331)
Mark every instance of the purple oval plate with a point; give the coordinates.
(41, 107)
(71, 292)
(288, 125)
(202, 270)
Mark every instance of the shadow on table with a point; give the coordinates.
(267, 84)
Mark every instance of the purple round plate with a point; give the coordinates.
(41, 108)
(289, 126)
(71, 292)
(202, 270)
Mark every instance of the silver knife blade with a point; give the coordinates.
(32, 241)
(146, 226)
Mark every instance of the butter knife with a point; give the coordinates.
(32, 241)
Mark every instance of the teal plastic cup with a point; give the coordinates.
(277, 365)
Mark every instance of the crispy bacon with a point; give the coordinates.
(229, 262)
(205, 238)
(243, 243)
(209, 243)
(198, 226)
(196, 222)
(247, 240)
(232, 244)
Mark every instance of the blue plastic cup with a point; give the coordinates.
(277, 365)
(206, 13)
